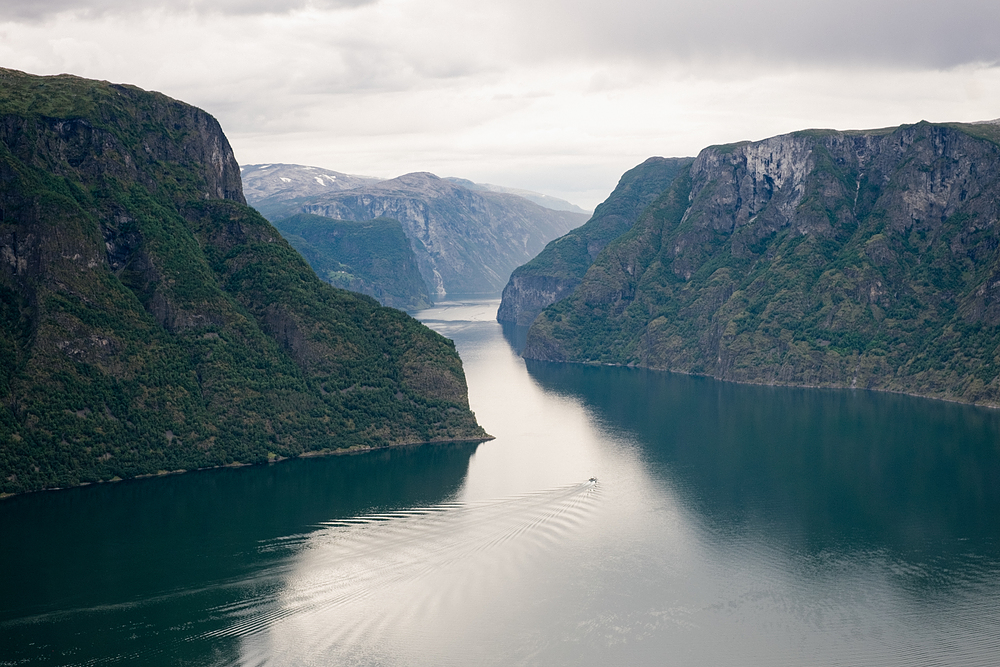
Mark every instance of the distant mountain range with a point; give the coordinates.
(466, 238)
(270, 188)
(546, 201)
(866, 259)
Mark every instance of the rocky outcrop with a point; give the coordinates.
(558, 269)
(526, 295)
(857, 259)
(151, 321)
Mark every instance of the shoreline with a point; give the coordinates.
(344, 451)
(988, 406)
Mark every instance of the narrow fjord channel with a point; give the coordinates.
(730, 525)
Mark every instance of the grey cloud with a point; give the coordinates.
(452, 35)
(909, 33)
(34, 10)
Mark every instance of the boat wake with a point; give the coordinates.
(341, 597)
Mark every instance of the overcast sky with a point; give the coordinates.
(559, 97)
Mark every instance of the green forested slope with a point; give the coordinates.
(556, 271)
(859, 259)
(373, 257)
(151, 321)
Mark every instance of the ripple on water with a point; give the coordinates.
(343, 593)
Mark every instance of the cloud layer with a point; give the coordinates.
(35, 10)
(907, 33)
(558, 96)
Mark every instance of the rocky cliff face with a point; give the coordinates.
(466, 241)
(861, 259)
(151, 321)
(526, 295)
(99, 138)
(555, 272)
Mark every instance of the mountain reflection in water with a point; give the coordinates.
(827, 466)
(732, 525)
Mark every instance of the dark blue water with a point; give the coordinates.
(730, 525)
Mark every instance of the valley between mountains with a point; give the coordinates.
(153, 321)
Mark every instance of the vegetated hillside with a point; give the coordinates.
(851, 259)
(372, 257)
(151, 321)
(558, 269)
(466, 241)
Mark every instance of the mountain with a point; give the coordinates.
(467, 241)
(267, 185)
(151, 321)
(274, 188)
(866, 259)
(546, 201)
(372, 257)
(558, 269)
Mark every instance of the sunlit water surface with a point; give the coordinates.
(730, 525)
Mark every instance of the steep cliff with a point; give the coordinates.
(467, 241)
(373, 257)
(151, 321)
(558, 269)
(854, 259)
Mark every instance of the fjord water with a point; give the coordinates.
(730, 525)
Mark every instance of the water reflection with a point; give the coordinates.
(411, 587)
(731, 525)
(826, 466)
(734, 526)
(515, 335)
(135, 571)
